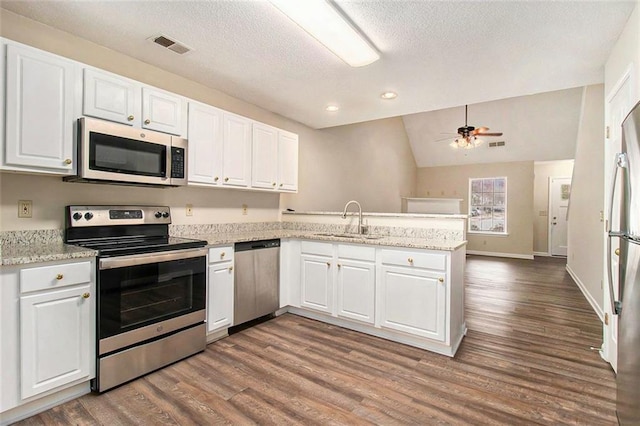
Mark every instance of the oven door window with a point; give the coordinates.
(114, 154)
(136, 296)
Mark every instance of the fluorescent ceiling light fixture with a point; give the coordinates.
(389, 95)
(326, 24)
(332, 108)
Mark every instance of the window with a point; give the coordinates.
(488, 205)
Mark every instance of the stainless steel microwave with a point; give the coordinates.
(116, 153)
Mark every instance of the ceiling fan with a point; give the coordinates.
(469, 136)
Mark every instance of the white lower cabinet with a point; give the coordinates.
(316, 279)
(412, 296)
(220, 289)
(413, 301)
(54, 333)
(47, 332)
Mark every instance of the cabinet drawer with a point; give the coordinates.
(220, 254)
(314, 247)
(414, 258)
(56, 276)
(347, 251)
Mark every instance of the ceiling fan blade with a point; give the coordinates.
(445, 139)
(480, 130)
(489, 134)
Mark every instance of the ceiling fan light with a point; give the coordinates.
(454, 144)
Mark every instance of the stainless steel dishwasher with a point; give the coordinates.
(257, 280)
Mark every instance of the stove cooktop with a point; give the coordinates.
(138, 245)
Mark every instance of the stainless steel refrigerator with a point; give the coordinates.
(627, 305)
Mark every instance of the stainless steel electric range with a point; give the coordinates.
(151, 289)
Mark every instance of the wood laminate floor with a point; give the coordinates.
(525, 360)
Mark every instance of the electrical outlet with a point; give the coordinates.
(189, 210)
(244, 209)
(25, 208)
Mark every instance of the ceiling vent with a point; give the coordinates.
(496, 144)
(168, 43)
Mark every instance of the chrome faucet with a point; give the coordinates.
(361, 228)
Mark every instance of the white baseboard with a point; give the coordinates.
(494, 254)
(541, 253)
(586, 294)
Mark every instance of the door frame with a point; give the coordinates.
(549, 192)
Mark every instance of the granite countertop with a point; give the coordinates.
(367, 214)
(35, 252)
(407, 242)
(21, 254)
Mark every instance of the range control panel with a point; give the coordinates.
(116, 215)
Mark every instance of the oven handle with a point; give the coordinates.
(144, 259)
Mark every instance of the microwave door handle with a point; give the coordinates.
(620, 162)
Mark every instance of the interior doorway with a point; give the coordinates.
(559, 193)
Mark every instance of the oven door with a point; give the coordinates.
(142, 297)
(116, 152)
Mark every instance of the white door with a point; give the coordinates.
(220, 296)
(287, 161)
(413, 301)
(205, 144)
(264, 153)
(55, 330)
(110, 97)
(559, 192)
(40, 102)
(162, 111)
(356, 290)
(617, 107)
(316, 279)
(236, 156)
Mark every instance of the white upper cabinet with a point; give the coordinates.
(274, 162)
(264, 162)
(109, 97)
(116, 98)
(236, 156)
(287, 161)
(205, 144)
(162, 111)
(41, 91)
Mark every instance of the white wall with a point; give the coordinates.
(624, 56)
(586, 227)
(544, 170)
(453, 182)
(370, 162)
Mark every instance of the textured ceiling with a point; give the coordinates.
(435, 55)
(539, 127)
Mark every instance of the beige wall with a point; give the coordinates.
(453, 182)
(544, 170)
(371, 161)
(586, 227)
(624, 56)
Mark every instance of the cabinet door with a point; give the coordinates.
(110, 97)
(220, 296)
(162, 111)
(316, 278)
(55, 330)
(40, 102)
(356, 290)
(287, 161)
(236, 156)
(205, 144)
(264, 153)
(413, 300)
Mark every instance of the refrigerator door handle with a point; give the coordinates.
(621, 162)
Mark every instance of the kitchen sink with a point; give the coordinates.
(351, 236)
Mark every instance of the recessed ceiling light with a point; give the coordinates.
(323, 21)
(332, 108)
(389, 95)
